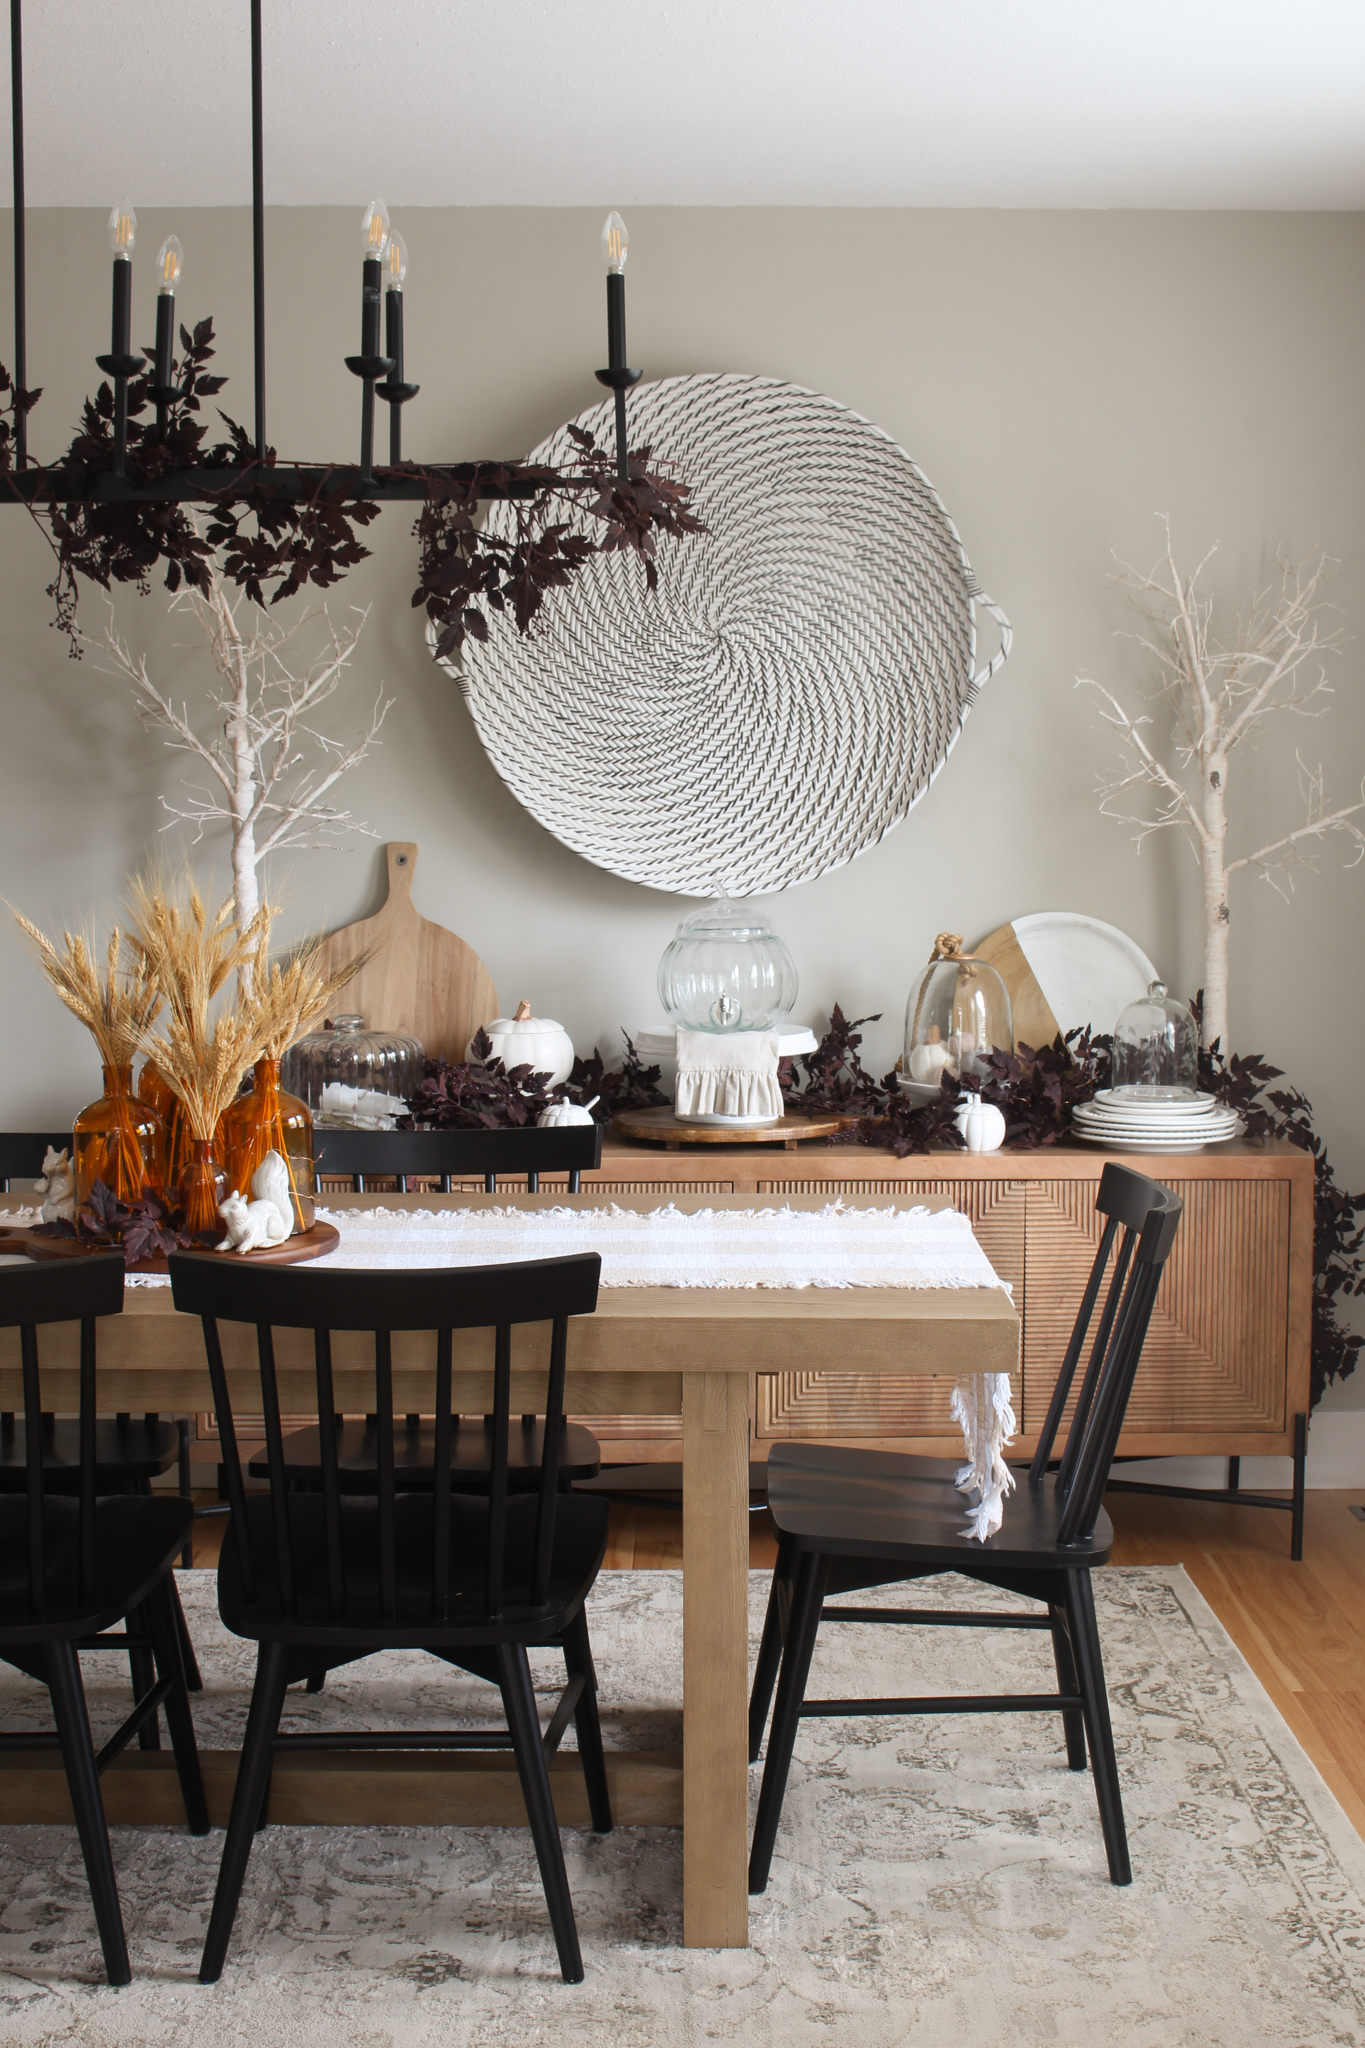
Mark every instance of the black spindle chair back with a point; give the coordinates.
(59, 1291)
(379, 1304)
(1140, 1224)
(458, 1155)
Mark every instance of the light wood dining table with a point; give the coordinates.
(646, 1351)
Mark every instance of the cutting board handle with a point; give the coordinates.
(402, 857)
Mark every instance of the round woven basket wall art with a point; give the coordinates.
(793, 687)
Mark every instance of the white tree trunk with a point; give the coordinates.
(1213, 850)
(242, 797)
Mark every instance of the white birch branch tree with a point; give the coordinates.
(1219, 696)
(269, 774)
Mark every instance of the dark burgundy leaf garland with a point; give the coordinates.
(138, 1229)
(271, 547)
(482, 1094)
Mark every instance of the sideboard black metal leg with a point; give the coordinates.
(1300, 1476)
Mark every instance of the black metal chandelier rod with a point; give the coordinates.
(385, 265)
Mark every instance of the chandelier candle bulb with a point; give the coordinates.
(169, 264)
(616, 376)
(369, 364)
(121, 363)
(395, 268)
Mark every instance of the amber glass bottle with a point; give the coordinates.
(156, 1091)
(202, 1186)
(269, 1120)
(119, 1140)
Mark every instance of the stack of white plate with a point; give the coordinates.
(1131, 1123)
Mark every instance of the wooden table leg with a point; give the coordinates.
(715, 1660)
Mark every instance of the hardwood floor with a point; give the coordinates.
(1301, 1627)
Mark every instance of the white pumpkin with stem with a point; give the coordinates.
(982, 1125)
(561, 1114)
(522, 1040)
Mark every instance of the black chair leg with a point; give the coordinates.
(1085, 1643)
(519, 1704)
(267, 1701)
(1073, 1721)
(160, 1612)
(143, 1672)
(808, 1594)
(182, 1460)
(316, 1680)
(182, 1628)
(587, 1723)
(769, 1651)
(83, 1783)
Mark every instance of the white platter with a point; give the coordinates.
(1211, 1127)
(1149, 1145)
(1111, 1103)
(1088, 971)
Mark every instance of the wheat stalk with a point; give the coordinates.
(285, 998)
(190, 956)
(117, 1007)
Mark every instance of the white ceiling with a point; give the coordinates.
(1187, 103)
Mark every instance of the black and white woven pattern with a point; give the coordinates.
(795, 685)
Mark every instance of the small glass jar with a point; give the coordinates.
(1156, 1049)
(959, 1011)
(348, 1057)
(727, 970)
(269, 1120)
(120, 1140)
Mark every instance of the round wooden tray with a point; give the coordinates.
(309, 1244)
(661, 1127)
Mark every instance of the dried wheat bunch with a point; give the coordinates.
(117, 1007)
(285, 998)
(191, 956)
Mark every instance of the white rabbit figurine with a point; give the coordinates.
(250, 1225)
(57, 1188)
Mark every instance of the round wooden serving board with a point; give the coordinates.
(309, 1244)
(661, 1127)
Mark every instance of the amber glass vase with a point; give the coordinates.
(202, 1186)
(120, 1140)
(268, 1120)
(156, 1091)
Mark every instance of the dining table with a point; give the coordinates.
(693, 1351)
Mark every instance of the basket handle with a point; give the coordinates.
(1002, 652)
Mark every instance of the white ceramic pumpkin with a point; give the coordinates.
(982, 1125)
(560, 1114)
(522, 1040)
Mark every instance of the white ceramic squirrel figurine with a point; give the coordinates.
(250, 1224)
(57, 1188)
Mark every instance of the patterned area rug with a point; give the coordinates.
(935, 1881)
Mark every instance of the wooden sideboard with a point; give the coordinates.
(1225, 1366)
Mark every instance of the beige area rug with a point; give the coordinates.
(939, 1881)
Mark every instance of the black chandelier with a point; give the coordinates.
(381, 374)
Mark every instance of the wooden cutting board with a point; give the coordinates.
(422, 980)
(1034, 1023)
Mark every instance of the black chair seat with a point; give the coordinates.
(414, 1457)
(136, 1541)
(579, 1547)
(847, 1504)
(135, 1450)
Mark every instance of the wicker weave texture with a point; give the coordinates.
(794, 686)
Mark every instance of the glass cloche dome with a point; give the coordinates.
(727, 970)
(959, 1009)
(1156, 1049)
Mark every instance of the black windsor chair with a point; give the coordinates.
(130, 1450)
(449, 1155)
(319, 1579)
(73, 1566)
(850, 1519)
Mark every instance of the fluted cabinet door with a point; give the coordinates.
(846, 1404)
(1214, 1358)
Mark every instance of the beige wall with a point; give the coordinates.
(1059, 377)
